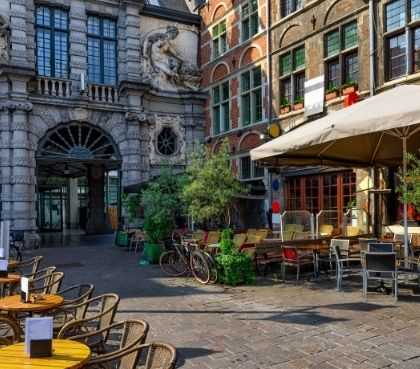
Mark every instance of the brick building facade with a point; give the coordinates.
(306, 40)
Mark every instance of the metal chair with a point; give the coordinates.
(76, 294)
(154, 355)
(380, 266)
(380, 247)
(48, 284)
(344, 267)
(29, 266)
(295, 258)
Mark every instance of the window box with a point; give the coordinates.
(298, 105)
(284, 109)
(331, 94)
(349, 88)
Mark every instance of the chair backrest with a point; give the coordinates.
(380, 247)
(301, 235)
(363, 242)
(54, 285)
(352, 231)
(29, 266)
(85, 292)
(134, 333)
(9, 331)
(109, 308)
(380, 261)
(290, 253)
(239, 239)
(343, 245)
(160, 355)
(213, 237)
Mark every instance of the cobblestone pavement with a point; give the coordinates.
(272, 325)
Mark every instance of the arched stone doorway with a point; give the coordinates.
(74, 162)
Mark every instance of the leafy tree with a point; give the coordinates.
(161, 201)
(131, 203)
(211, 185)
(411, 194)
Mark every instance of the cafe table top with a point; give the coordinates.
(67, 354)
(45, 302)
(12, 278)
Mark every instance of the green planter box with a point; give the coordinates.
(121, 239)
(152, 252)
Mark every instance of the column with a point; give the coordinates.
(97, 222)
(73, 202)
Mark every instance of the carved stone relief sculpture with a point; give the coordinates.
(165, 68)
(4, 39)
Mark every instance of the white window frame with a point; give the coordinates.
(220, 104)
(219, 36)
(249, 17)
(251, 92)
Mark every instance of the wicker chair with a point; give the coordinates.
(29, 266)
(149, 356)
(9, 331)
(43, 273)
(48, 284)
(130, 333)
(80, 322)
(76, 294)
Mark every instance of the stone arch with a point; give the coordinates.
(287, 37)
(219, 142)
(249, 141)
(250, 54)
(218, 11)
(219, 71)
(337, 9)
(77, 140)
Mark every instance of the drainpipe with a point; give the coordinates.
(372, 51)
(269, 89)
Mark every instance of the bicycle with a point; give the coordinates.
(186, 257)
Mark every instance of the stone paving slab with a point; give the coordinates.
(271, 325)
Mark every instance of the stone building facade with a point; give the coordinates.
(90, 86)
(235, 77)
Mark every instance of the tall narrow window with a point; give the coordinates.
(292, 77)
(251, 96)
(402, 38)
(52, 34)
(221, 108)
(249, 169)
(341, 56)
(219, 36)
(102, 50)
(290, 6)
(249, 14)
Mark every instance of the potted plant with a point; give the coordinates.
(349, 87)
(331, 94)
(285, 106)
(298, 104)
(234, 266)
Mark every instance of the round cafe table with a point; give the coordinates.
(13, 304)
(11, 280)
(66, 354)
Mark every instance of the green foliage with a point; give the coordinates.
(234, 267)
(211, 186)
(131, 203)
(349, 84)
(410, 193)
(284, 103)
(332, 89)
(161, 202)
(299, 100)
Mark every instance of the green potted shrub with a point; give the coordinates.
(161, 203)
(234, 266)
(285, 106)
(298, 104)
(349, 87)
(331, 94)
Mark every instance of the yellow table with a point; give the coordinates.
(66, 355)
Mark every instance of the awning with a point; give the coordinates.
(371, 132)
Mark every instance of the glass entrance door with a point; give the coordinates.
(51, 210)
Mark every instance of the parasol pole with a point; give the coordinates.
(406, 253)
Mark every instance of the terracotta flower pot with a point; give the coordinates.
(285, 109)
(298, 106)
(349, 89)
(331, 95)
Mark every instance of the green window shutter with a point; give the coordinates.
(350, 35)
(285, 64)
(299, 58)
(332, 43)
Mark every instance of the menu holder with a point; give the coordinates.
(4, 264)
(38, 337)
(24, 290)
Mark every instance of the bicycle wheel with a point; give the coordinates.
(172, 264)
(200, 267)
(213, 269)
